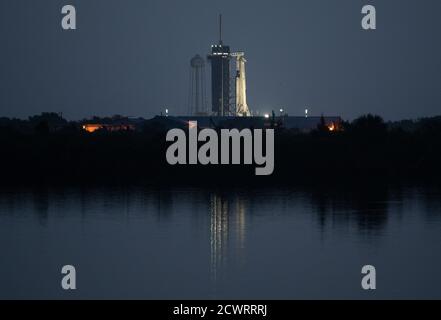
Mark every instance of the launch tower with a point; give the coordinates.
(220, 76)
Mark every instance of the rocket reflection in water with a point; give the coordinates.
(227, 233)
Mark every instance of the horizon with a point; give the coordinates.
(212, 116)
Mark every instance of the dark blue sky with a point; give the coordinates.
(132, 57)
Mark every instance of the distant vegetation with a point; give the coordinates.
(48, 148)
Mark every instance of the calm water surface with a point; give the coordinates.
(190, 243)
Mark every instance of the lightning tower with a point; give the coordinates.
(197, 104)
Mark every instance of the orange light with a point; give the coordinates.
(331, 127)
(92, 127)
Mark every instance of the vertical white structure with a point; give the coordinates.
(242, 109)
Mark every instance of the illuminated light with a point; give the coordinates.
(281, 110)
(192, 124)
(92, 127)
(331, 127)
(266, 115)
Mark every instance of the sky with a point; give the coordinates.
(131, 57)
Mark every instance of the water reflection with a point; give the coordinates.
(41, 205)
(235, 243)
(227, 232)
(367, 207)
(218, 233)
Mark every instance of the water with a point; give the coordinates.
(190, 243)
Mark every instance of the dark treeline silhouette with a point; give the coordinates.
(47, 148)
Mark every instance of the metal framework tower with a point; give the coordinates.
(197, 104)
(220, 76)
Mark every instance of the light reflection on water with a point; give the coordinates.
(179, 243)
(228, 223)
